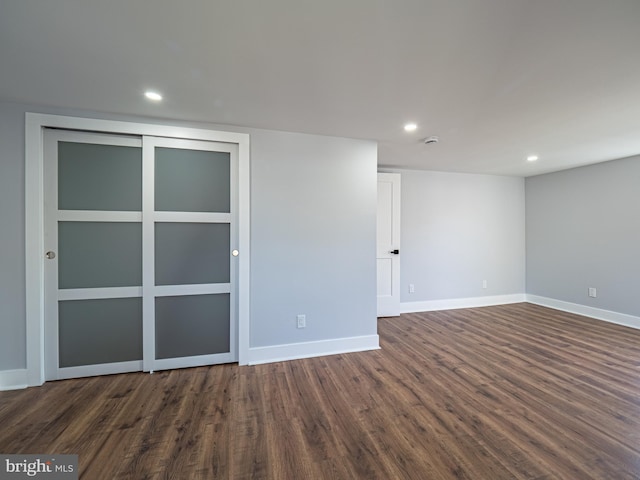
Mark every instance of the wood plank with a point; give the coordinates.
(507, 392)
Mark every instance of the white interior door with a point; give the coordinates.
(140, 235)
(388, 244)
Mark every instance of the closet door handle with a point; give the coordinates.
(395, 252)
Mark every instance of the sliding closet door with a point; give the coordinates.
(93, 259)
(189, 261)
(140, 262)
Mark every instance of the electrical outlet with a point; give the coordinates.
(484, 284)
(302, 321)
(412, 288)
(592, 292)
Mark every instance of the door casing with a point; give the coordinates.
(34, 219)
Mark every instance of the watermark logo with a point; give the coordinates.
(50, 467)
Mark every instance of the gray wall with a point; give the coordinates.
(458, 230)
(313, 207)
(583, 230)
(12, 270)
(313, 237)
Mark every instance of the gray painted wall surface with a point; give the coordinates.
(12, 272)
(313, 223)
(458, 230)
(583, 230)
(314, 203)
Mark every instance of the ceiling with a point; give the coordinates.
(495, 80)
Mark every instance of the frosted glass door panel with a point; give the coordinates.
(99, 177)
(99, 254)
(192, 253)
(192, 180)
(192, 325)
(99, 331)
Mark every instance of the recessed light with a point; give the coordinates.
(410, 127)
(151, 95)
(532, 158)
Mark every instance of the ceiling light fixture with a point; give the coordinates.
(151, 95)
(410, 127)
(532, 158)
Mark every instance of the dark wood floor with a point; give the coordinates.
(507, 392)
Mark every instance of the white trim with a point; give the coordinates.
(292, 351)
(34, 219)
(233, 263)
(173, 141)
(454, 303)
(13, 379)
(597, 313)
(51, 315)
(88, 137)
(99, 369)
(198, 289)
(148, 255)
(244, 257)
(192, 217)
(34, 248)
(134, 128)
(95, 293)
(193, 361)
(98, 216)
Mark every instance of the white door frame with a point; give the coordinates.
(34, 219)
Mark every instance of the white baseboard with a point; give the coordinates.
(453, 303)
(13, 379)
(292, 351)
(597, 313)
